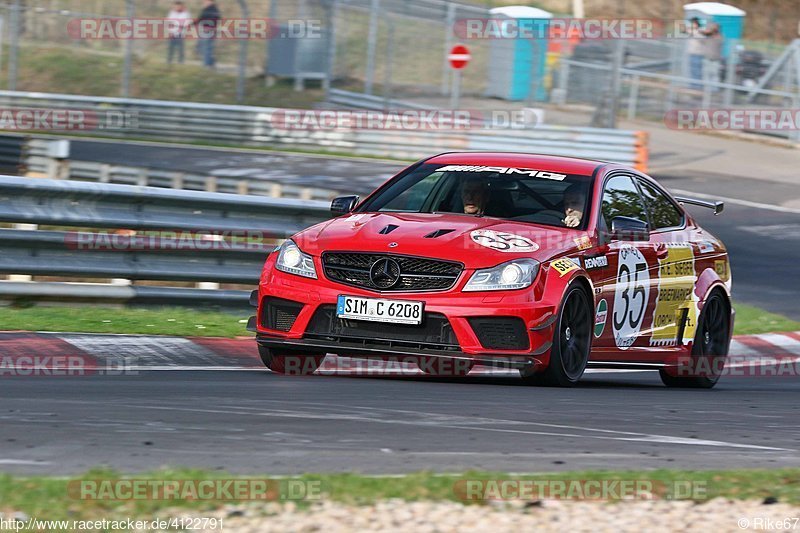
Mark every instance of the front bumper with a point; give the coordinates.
(314, 346)
(460, 311)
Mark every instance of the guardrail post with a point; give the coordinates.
(387, 78)
(105, 173)
(448, 44)
(141, 177)
(13, 52)
(333, 12)
(240, 82)
(211, 184)
(633, 97)
(177, 180)
(372, 41)
(23, 277)
(126, 69)
(560, 95)
(730, 73)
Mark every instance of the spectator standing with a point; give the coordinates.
(207, 31)
(712, 56)
(179, 19)
(695, 50)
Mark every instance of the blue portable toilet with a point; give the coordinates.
(514, 60)
(729, 18)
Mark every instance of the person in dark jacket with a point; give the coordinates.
(206, 25)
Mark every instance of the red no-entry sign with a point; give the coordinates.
(459, 56)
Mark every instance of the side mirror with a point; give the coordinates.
(629, 229)
(343, 205)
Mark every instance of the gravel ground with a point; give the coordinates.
(557, 516)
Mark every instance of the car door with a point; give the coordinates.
(624, 285)
(675, 311)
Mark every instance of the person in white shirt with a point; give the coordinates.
(179, 19)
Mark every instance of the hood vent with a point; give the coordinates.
(438, 233)
(388, 229)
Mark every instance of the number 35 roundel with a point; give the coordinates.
(630, 297)
(503, 242)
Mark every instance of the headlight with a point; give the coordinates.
(293, 261)
(516, 274)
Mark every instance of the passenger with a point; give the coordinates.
(574, 204)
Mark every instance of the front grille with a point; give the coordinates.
(279, 314)
(403, 273)
(501, 333)
(435, 332)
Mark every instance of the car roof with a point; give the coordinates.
(550, 163)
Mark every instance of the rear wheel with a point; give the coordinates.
(289, 363)
(711, 344)
(572, 342)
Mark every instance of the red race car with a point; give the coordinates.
(540, 263)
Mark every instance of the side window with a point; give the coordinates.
(663, 213)
(621, 199)
(413, 198)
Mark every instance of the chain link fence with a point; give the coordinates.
(395, 50)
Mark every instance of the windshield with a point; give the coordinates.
(519, 194)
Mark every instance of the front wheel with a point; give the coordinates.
(288, 363)
(710, 349)
(572, 342)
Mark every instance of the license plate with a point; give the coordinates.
(380, 310)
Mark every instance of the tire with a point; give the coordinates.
(289, 363)
(711, 341)
(572, 342)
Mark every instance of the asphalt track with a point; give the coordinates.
(256, 421)
(237, 416)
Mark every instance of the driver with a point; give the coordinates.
(574, 204)
(474, 196)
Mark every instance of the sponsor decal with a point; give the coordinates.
(631, 296)
(598, 261)
(503, 242)
(600, 317)
(721, 268)
(675, 299)
(564, 266)
(504, 170)
(583, 243)
(706, 247)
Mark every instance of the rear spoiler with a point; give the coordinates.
(718, 207)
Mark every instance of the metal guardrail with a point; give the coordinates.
(40, 164)
(258, 222)
(257, 126)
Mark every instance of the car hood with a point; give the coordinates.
(414, 234)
